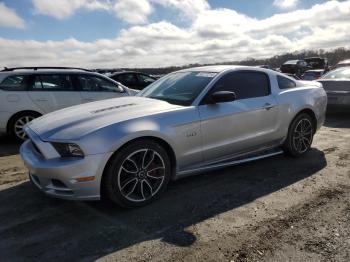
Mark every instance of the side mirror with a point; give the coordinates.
(222, 96)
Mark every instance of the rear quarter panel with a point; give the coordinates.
(305, 96)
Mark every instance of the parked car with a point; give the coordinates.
(312, 74)
(189, 121)
(317, 63)
(295, 67)
(337, 86)
(27, 93)
(343, 63)
(134, 80)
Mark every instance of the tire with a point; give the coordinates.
(300, 135)
(17, 123)
(137, 174)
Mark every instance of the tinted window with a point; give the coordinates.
(145, 79)
(285, 83)
(52, 83)
(13, 83)
(96, 84)
(127, 79)
(244, 84)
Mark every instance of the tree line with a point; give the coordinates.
(333, 56)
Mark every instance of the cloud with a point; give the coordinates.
(285, 4)
(63, 9)
(9, 18)
(130, 11)
(213, 35)
(188, 8)
(133, 11)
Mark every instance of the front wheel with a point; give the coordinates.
(300, 136)
(137, 174)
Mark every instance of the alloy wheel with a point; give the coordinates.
(19, 126)
(302, 135)
(141, 175)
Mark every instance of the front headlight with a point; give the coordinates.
(68, 149)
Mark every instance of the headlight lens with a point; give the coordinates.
(68, 149)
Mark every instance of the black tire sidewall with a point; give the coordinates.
(288, 144)
(13, 121)
(109, 187)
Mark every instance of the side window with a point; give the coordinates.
(96, 84)
(127, 79)
(244, 84)
(13, 83)
(145, 79)
(52, 83)
(285, 83)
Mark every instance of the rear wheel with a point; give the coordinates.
(17, 123)
(300, 136)
(137, 174)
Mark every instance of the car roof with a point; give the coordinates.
(41, 71)
(292, 61)
(347, 61)
(220, 68)
(315, 71)
(125, 72)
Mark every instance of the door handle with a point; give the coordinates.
(41, 100)
(268, 106)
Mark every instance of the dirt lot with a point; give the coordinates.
(278, 209)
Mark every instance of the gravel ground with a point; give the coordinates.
(277, 209)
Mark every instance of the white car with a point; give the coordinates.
(27, 93)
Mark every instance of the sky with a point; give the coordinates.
(160, 33)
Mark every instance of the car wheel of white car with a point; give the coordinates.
(137, 174)
(16, 125)
(300, 135)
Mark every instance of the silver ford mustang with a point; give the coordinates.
(128, 149)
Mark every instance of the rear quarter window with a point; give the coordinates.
(13, 83)
(285, 83)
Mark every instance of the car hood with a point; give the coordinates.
(74, 122)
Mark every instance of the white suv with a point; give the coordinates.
(27, 93)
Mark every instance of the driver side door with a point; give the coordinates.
(248, 123)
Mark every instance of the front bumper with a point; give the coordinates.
(57, 176)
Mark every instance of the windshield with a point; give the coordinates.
(180, 88)
(343, 73)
